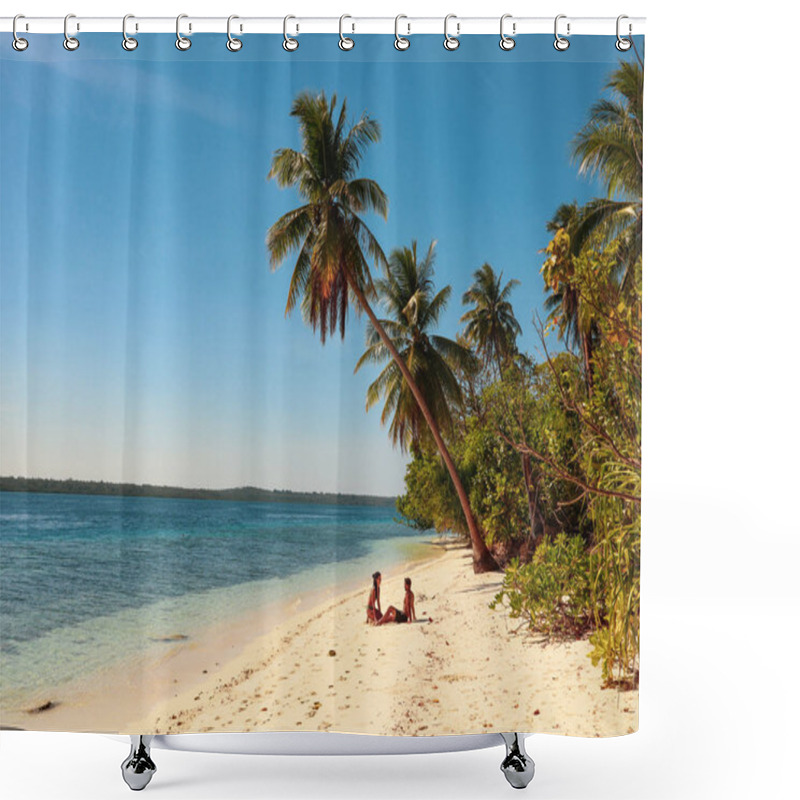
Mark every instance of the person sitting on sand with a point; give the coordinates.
(374, 602)
(374, 615)
(408, 603)
(406, 615)
(409, 612)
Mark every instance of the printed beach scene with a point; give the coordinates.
(353, 448)
(303, 659)
(199, 578)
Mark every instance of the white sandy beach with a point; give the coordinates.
(323, 669)
(466, 672)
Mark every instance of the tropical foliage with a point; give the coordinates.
(491, 327)
(332, 241)
(552, 592)
(536, 461)
(409, 298)
(551, 451)
(333, 244)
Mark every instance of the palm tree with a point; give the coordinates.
(332, 240)
(491, 327)
(610, 146)
(567, 310)
(407, 294)
(333, 244)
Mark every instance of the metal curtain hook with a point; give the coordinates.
(507, 42)
(451, 42)
(561, 43)
(400, 42)
(181, 42)
(345, 42)
(623, 43)
(18, 43)
(128, 42)
(289, 44)
(233, 44)
(70, 42)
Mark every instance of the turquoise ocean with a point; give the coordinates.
(86, 581)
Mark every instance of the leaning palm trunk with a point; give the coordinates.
(482, 559)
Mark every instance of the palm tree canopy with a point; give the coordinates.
(413, 308)
(332, 241)
(563, 303)
(568, 310)
(566, 217)
(609, 146)
(491, 327)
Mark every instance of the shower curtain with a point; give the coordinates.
(321, 382)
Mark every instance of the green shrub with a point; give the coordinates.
(496, 485)
(615, 567)
(552, 592)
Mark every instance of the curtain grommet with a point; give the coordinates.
(345, 42)
(290, 44)
(233, 44)
(182, 42)
(507, 42)
(561, 43)
(71, 43)
(623, 43)
(129, 43)
(451, 43)
(401, 43)
(17, 42)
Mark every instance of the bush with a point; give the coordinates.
(430, 500)
(615, 566)
(496, 486)
(553, 591)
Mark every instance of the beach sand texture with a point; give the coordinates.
(466, 672)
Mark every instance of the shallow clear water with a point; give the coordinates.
(86, 580)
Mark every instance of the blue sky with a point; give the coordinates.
(142, 334)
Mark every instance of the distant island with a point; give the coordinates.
(246, 493)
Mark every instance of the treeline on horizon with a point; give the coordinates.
(241, 493)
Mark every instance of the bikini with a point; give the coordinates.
(399, 615)
(371, 608)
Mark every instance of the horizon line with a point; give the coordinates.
(199, 489)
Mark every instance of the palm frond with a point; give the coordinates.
(366, 195)
(287, 234)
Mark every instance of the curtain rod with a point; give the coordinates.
(407, 26)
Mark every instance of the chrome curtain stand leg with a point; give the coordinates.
(138, 768)
(518, 766)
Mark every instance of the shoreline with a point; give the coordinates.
(321, 668)
(104, 699)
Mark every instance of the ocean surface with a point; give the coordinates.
(86, 581)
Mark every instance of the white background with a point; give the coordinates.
(719, 695)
